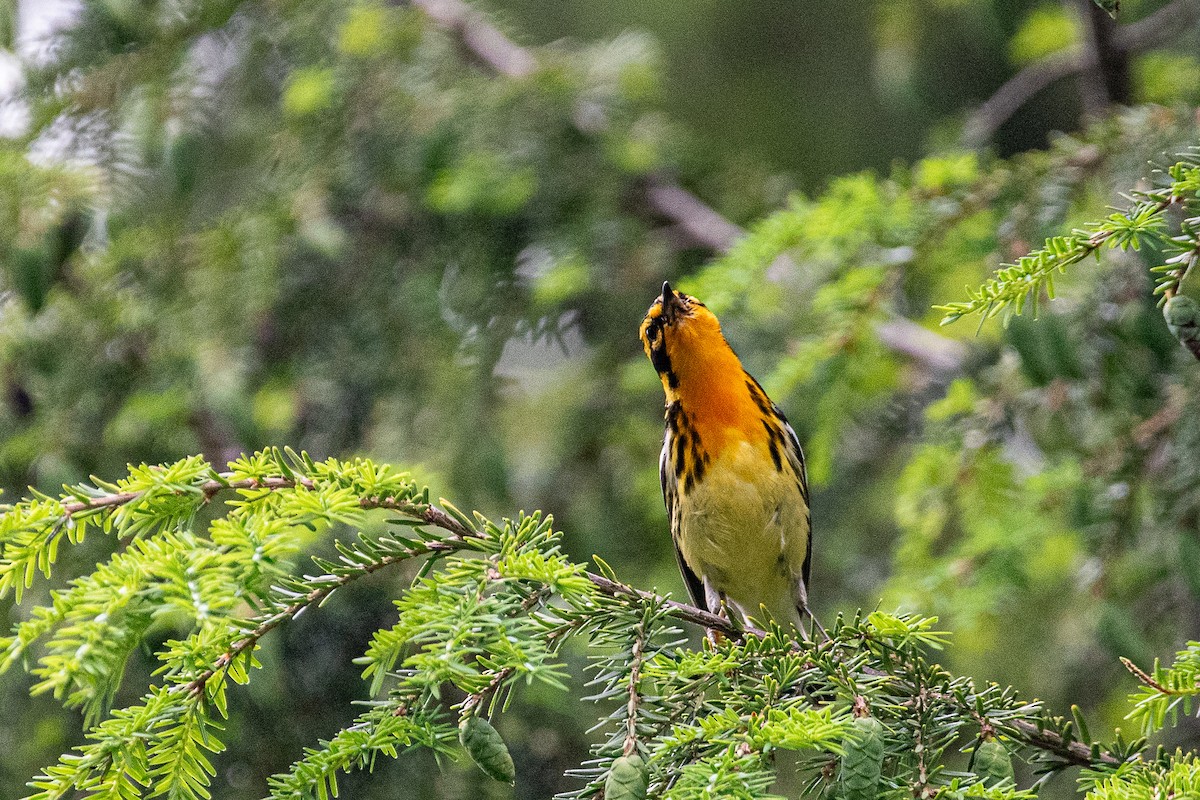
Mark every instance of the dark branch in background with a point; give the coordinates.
(703, 226)
(1108, 82)
(481, 39)
(1127, 40)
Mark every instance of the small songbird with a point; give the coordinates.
(732, 471)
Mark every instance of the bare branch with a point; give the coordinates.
(702, 224)
(939, 355)
(1144, 34)
(482, 39)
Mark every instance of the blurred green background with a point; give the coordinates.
(330, 224)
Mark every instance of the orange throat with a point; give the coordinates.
(714, 391)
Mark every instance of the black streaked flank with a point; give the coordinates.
(672, 415)
(772, 437)
(699, 459)
(759, 396)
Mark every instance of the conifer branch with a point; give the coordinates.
(1072, 752)
(1014, 286)
(316, 596)
(460, 534)
(428, 513)
(482, 623)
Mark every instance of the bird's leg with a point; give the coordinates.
(806, 612)
(715, 601)
(800, 595)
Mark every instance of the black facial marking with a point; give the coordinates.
(659, 357)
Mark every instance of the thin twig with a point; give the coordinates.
(476, 698)
(1152, 31)
(635, 678)
(1032, 734)
(250, 640)
(1146, 678)
(1076, 753)
(922, 786)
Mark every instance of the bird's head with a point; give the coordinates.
(680, 332)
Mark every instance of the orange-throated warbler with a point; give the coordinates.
(732, 471)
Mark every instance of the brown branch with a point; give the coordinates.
(1032, 734)
(702, 224)
(208, 489)
(1076, 753)
(1129, 39)
(1146, 678)
(680, 611)
(1146, 432)
(635, 678)
(477, 698)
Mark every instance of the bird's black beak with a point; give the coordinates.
(672, 303)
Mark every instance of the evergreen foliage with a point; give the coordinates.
(494, 608)
(352, 227)
(1143, 223)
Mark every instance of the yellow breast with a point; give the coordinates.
(745, 529)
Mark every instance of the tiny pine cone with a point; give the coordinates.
(992, 763)
(485, 747)
(628, 779)
(862, 764)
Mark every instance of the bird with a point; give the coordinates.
(732, 472)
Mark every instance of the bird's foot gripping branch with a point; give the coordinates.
(209, 564)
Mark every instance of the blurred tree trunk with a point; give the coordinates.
(1107, 81)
